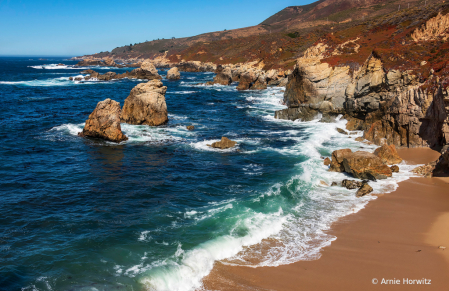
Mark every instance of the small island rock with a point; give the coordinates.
(225, 143)
(173, 74)
(146, 104)
(104, 122)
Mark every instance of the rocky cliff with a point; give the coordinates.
(391, 107)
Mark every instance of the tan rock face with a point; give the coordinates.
(104, 122)
(225, 143)
(388, 154)
(146, 104)
(146, 71)
(338, 157)
(433, 29)
(173, 74)
(327, 161)
(365, 165)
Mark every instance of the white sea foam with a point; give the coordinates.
(297, 235)
(186, 269)
(69, 67)
(62, 81)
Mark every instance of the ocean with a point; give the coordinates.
(155, 212)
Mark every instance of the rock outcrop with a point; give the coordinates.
(146, 104)
(196, 66)
(104, 122)
(388, 154)
(225, 143)
(223, 77)
(360, 164)
(389, 106)
(366, 166)
(146, 71)
(337, 160)
(173, 74)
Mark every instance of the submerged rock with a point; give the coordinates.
(225, 143)
(342, 131)
(146, 104)
(173, 74)
(190, 127)
(104, 122)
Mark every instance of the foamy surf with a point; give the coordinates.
(296, 232)
(70, 67)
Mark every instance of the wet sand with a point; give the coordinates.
(396, 237)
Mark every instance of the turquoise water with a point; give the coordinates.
(156, 212)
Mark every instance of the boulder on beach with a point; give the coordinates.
(360, 164)
(364, 189)
(173, 74)
(104, 122)
(388, 154)
(225, 143)
(146, 104)
(365, 165)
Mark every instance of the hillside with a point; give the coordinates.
(280, 39)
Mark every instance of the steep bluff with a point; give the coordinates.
(390, 106)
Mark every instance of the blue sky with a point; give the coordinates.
(77, 27)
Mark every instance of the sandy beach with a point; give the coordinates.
(389, 245)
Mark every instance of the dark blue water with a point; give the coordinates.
(156, 211)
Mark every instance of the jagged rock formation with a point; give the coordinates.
(104, 122)
(433, 29)
(389, 106)
(146, 104)
(173, 74)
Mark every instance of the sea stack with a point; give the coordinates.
(146, 105)
(104, 122)
(173, 74)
